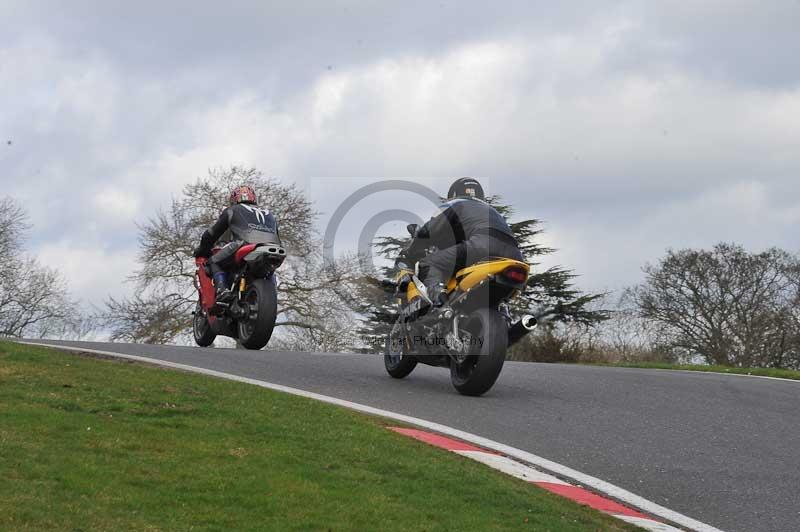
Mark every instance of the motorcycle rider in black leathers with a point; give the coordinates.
(466, 231)
(243, 222)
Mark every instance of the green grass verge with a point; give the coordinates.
(89, 444)
(762, 372)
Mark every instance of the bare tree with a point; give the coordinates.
(628, 337)
(161, 310)
(152, 320)
(726, 305)
(34, 299)
(13, 225)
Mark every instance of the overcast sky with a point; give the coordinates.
(630, 127)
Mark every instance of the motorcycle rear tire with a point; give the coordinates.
(478, 373)
(262, 296)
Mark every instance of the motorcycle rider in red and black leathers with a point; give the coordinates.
(243, 222)
(466, 230)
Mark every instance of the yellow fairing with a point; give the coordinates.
(412, 292)
(470, 276)
(467, 278)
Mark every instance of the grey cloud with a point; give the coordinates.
(745, 42)
(288, 43)
(616, 122)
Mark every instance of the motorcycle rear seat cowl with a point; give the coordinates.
(251, 252)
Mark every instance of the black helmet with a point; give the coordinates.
(466, 187)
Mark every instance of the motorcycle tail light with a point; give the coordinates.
(517, 275)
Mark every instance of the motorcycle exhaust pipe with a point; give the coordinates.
(519, 329)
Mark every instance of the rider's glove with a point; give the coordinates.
(199, 251)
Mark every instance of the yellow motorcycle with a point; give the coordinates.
(470, 333)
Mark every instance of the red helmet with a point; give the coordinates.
(243, 194)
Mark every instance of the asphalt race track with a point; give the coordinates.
(722, 449)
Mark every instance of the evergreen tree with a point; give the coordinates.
(552, 287)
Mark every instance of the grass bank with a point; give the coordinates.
(89, 444)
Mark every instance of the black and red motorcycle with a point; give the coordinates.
(249, 316)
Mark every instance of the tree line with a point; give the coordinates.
(724, 305)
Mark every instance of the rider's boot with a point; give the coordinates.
(436, 293)
(221, 287)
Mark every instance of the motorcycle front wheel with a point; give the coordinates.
(204, 335)
(261, 302)
(397, 362)
(486, 335)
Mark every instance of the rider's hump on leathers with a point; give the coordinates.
(247, 223)
(460, 219)
(465, 231)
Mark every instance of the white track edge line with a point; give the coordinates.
(554, 467)
(647, 524)
(511, 467)
(695, 371)
(522, 471)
